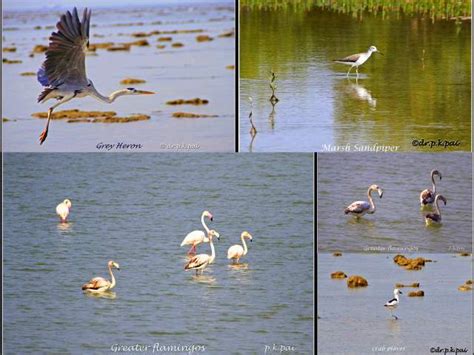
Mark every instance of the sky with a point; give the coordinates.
(35, 4)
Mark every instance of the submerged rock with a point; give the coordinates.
(58, 115)
(191, 115)
(28, 73)
(13, 61)
(140, 34)
(415, 284)
(410, 264)
(132, 81)
(469, 282)
(112, 119)
(357, 281)
(464, 254)
(337, 253)
(9, 49)
(465, 288)
(139, 43)
(161, 46)
(196, 101)
(118, 48)
(104, 45)
(177, 45)
(338, 275)
(418, 293)
(165, 39)
(231, 67)
(227, 34)
(204, 38)
(39, 48)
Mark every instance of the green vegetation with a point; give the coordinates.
(435, 9)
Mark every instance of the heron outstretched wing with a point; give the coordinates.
(65, 57)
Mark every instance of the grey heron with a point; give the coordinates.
(63, 73)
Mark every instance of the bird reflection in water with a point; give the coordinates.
(358, 92)
(108, 294)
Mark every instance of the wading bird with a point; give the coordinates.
(435, 218)
(393, 303)
(201, 261)
(197, 237)
(359, 208)
(235, 252)
(427, 196)
(62, 210)
(63, 73)
(358, 59)
(99, 284)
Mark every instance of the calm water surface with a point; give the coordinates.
(354, 321)
(398, 221)
(420, 88)
(136, 209)
(195, 70)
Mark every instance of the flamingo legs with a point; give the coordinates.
(192, 250)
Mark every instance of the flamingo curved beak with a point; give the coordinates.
(143, 92)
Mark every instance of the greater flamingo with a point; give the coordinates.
(62, 210)
(435, 218)
(201, 261)
(99, 284)
(427, 196)
(197, 237)
(360, 208)
(235, 252)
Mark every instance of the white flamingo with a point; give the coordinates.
(360, 208)
(99, 284)
(201, 261)
(197, 237)
(63, 209)
(427, 196)
(236, 251)
(435, 218)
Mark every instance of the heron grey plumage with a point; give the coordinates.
(63, 73)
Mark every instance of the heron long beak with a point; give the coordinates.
(143, 92)
(379, 53)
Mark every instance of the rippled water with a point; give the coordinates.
(354, 321)
(196, 70)
(419, 89)
(398, 221)
(136, 209)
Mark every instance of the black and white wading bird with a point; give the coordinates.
(63, 73)
(360, 208)
(427, 196)
(435, 218)
(393, 303)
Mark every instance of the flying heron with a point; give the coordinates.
(63, 73)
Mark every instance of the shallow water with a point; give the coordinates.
(419, 89)
(354, 321)
(398, 221)
(195, 70)
(136, 212)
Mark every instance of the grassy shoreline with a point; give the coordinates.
(434, 9)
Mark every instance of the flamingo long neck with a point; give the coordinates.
(245, 244)
(204, 225)
(434, 184)
(107, 99)
(112, 283)
(438, 212)
(213, 252)
(371, 201)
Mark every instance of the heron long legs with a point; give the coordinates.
(44, 134)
